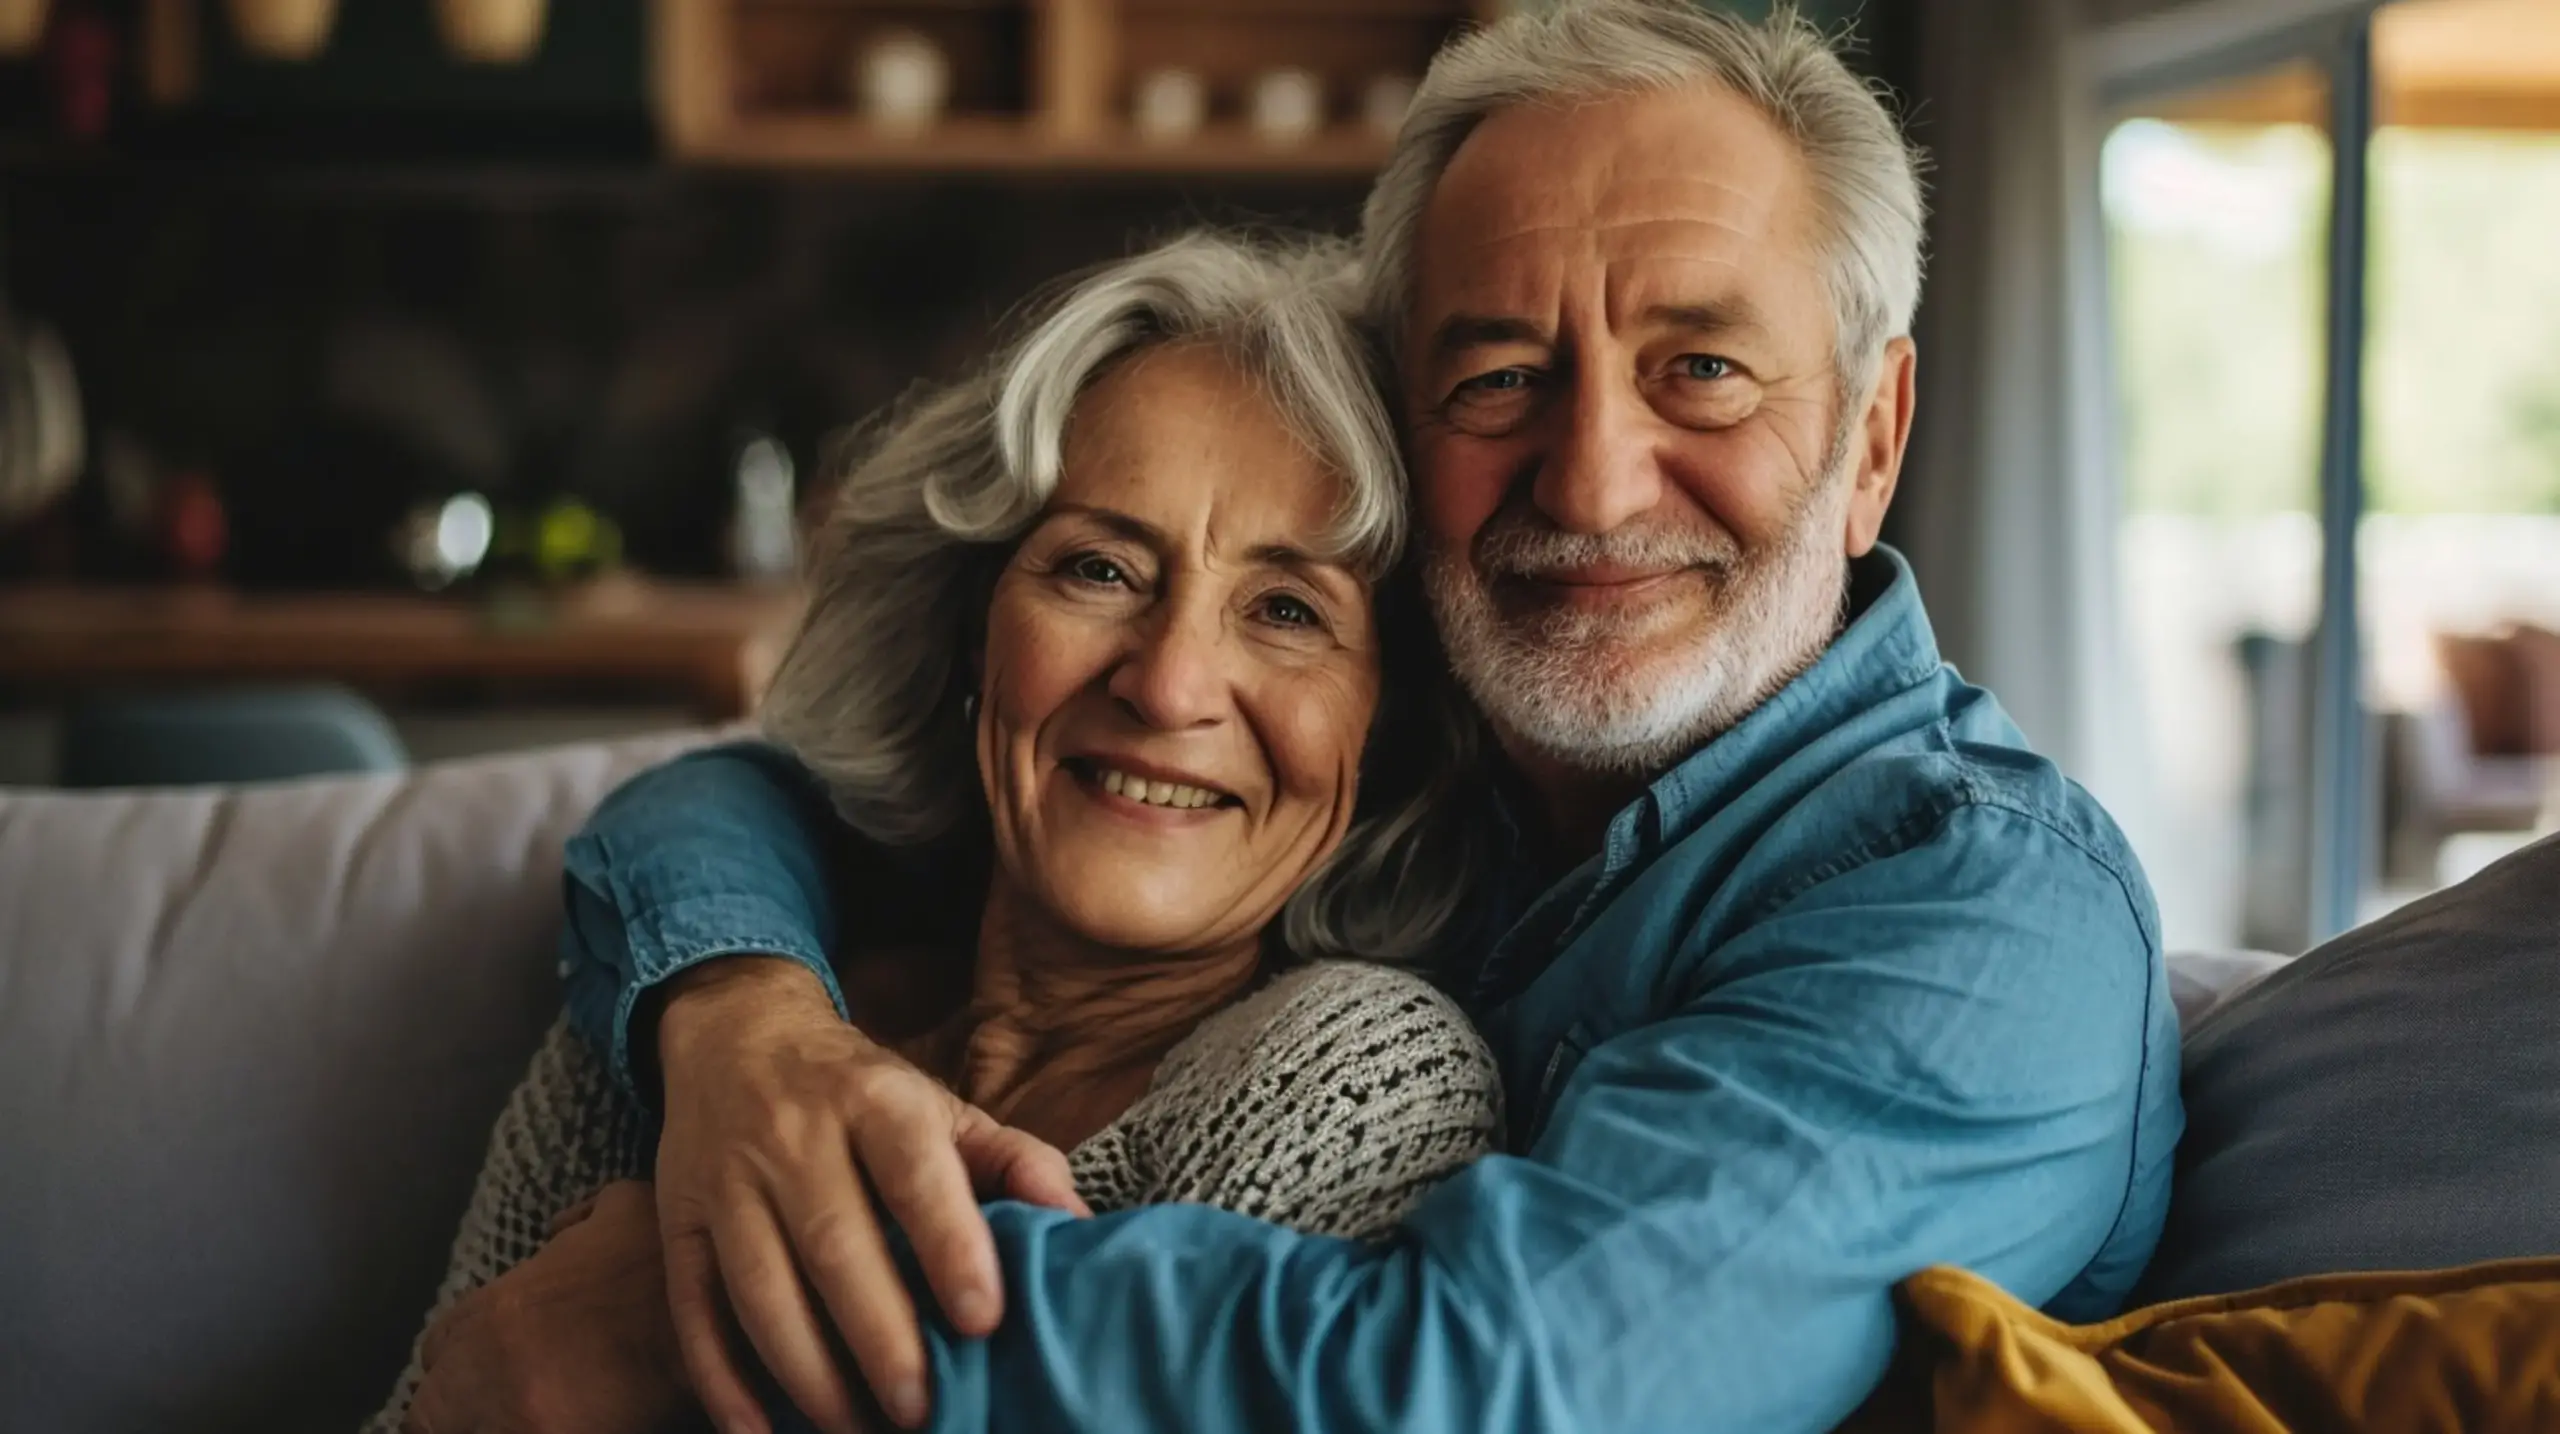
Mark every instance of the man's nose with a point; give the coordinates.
(1174, 676)
(1601, 472)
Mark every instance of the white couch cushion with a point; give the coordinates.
(2202, 980)
(251, 1042)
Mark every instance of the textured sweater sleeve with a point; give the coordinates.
(569, 1130)
(1329, 1102)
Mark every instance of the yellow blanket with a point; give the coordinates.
(2467, 1351)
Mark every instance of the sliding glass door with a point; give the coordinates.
(2217, 200)
(2459, 554)
(2335, 333)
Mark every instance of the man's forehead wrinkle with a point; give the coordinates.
(1740, 228)
(1654, 198)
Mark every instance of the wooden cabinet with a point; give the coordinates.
(1035, 84)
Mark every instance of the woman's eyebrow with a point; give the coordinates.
(1126, 525)
(1314, 568)
(1281, 555)
(1272, 555)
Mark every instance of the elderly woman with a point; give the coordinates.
(1106, 639)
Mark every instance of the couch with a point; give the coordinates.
(251, 1042)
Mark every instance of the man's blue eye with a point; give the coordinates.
(1501, 380)
(1705, 367)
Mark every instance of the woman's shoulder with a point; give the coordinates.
(1365, 989)
(1329, 1099)
(1336, 1015)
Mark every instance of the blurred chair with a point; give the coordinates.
(260, 734)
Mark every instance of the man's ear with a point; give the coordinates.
(1885, 434)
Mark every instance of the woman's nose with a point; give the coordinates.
(1175, 676)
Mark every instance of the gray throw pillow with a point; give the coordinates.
(2390, 1101)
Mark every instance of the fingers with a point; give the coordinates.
(773, 1309)
(841, 1246)
(1021, 1166)
(569, 1217)
(924, 1184)
(693, 1297)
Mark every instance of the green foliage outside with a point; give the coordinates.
(2217, 248)
(2462, 361)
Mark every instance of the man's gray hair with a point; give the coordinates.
(872, 694)
(1865, 175)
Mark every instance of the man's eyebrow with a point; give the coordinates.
(1460, 332)
(1716, 316)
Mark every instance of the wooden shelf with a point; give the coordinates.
(741, 83)
(994, 146)
(715, 645)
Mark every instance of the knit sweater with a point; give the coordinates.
(1329, 1099)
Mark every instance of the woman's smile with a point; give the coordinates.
(1147, 792)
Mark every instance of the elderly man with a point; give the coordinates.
(1831, 978)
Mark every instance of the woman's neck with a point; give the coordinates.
(1060, 1032)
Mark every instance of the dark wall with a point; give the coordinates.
(345, 288)
(334, 346)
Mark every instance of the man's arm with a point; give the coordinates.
(680, 882)
(721, 852)
(1935, 1058)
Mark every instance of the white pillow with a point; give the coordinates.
(251, 1042)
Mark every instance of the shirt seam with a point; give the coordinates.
(1978, 794)
(1941, 810)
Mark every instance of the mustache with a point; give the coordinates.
(1523, 547)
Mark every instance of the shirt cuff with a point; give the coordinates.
(620, 948)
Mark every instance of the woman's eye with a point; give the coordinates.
(1706, 368)
(1291, 611)
(1096, 569)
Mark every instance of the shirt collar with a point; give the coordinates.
(1887, 646)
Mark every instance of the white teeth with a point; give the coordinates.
(1157, 794)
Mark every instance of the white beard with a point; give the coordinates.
(1634, 693)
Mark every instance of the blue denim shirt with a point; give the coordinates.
(1864, 985)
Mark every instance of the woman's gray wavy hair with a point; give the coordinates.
(871, 695)
(1865, 175)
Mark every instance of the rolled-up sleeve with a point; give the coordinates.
(1945, 1056)
(721, 852)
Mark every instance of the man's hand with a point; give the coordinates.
(776, 1111)
(575, 1340)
